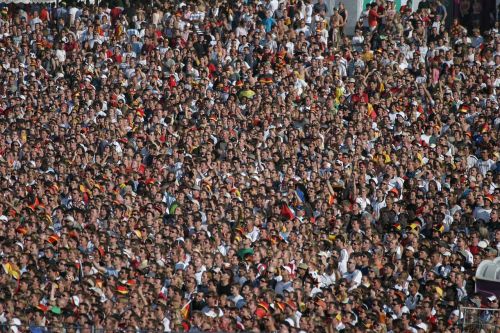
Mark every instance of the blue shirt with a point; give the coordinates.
(269, 22)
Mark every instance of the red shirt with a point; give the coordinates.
(372, 18)
(115, 14)
(359, 98)
(44, 14)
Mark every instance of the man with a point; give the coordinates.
(235, 297)
(373, 17)
(485, 164)
(414, 297)
(343, 254)
(483, 208)
(320, 7)
(353, 275)
(336, 22)
(269, 22)
(285, 283)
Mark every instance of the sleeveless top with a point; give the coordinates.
(342, 13)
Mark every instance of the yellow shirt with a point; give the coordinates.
(367, 56)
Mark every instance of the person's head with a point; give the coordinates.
(351, 265)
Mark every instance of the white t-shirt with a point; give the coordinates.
(353, 278)
(344, 257)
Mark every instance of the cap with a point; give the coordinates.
(491, 250)
(56, 310)
(243, 252)
(422, 326)
(482, 244)
(456, 313)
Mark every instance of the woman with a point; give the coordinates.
(345, 15)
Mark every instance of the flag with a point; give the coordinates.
(236, 192)
(300, 195)
(464, 109)
(371, 112)
(186, 310)
(48, 218)
(287, 212)
(79, 267)
(173, 207)
(36, 204)
(22, 230)
(331, 200)
(84, 188)
(122, 290)
(53, 239)
(42, 307)
(138, 233)
(266, 79)
(12, 270)
(163, 293)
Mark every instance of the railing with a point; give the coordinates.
(482, 320)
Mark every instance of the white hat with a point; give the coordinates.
(482, 244)
(15, 323)
(288, 269)
(290, 321)
(76, 300)
(422, 326)
(492, 298)
(457, 313)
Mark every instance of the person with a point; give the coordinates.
(336, 23)
(320, 7)
(373, 17)
(229, 166)
(353, 275)
(345, 15)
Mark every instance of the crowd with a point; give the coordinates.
(244, 165)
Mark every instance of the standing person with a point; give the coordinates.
(336, 22)
(373, 17)
(320, 7)
(345, 15)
